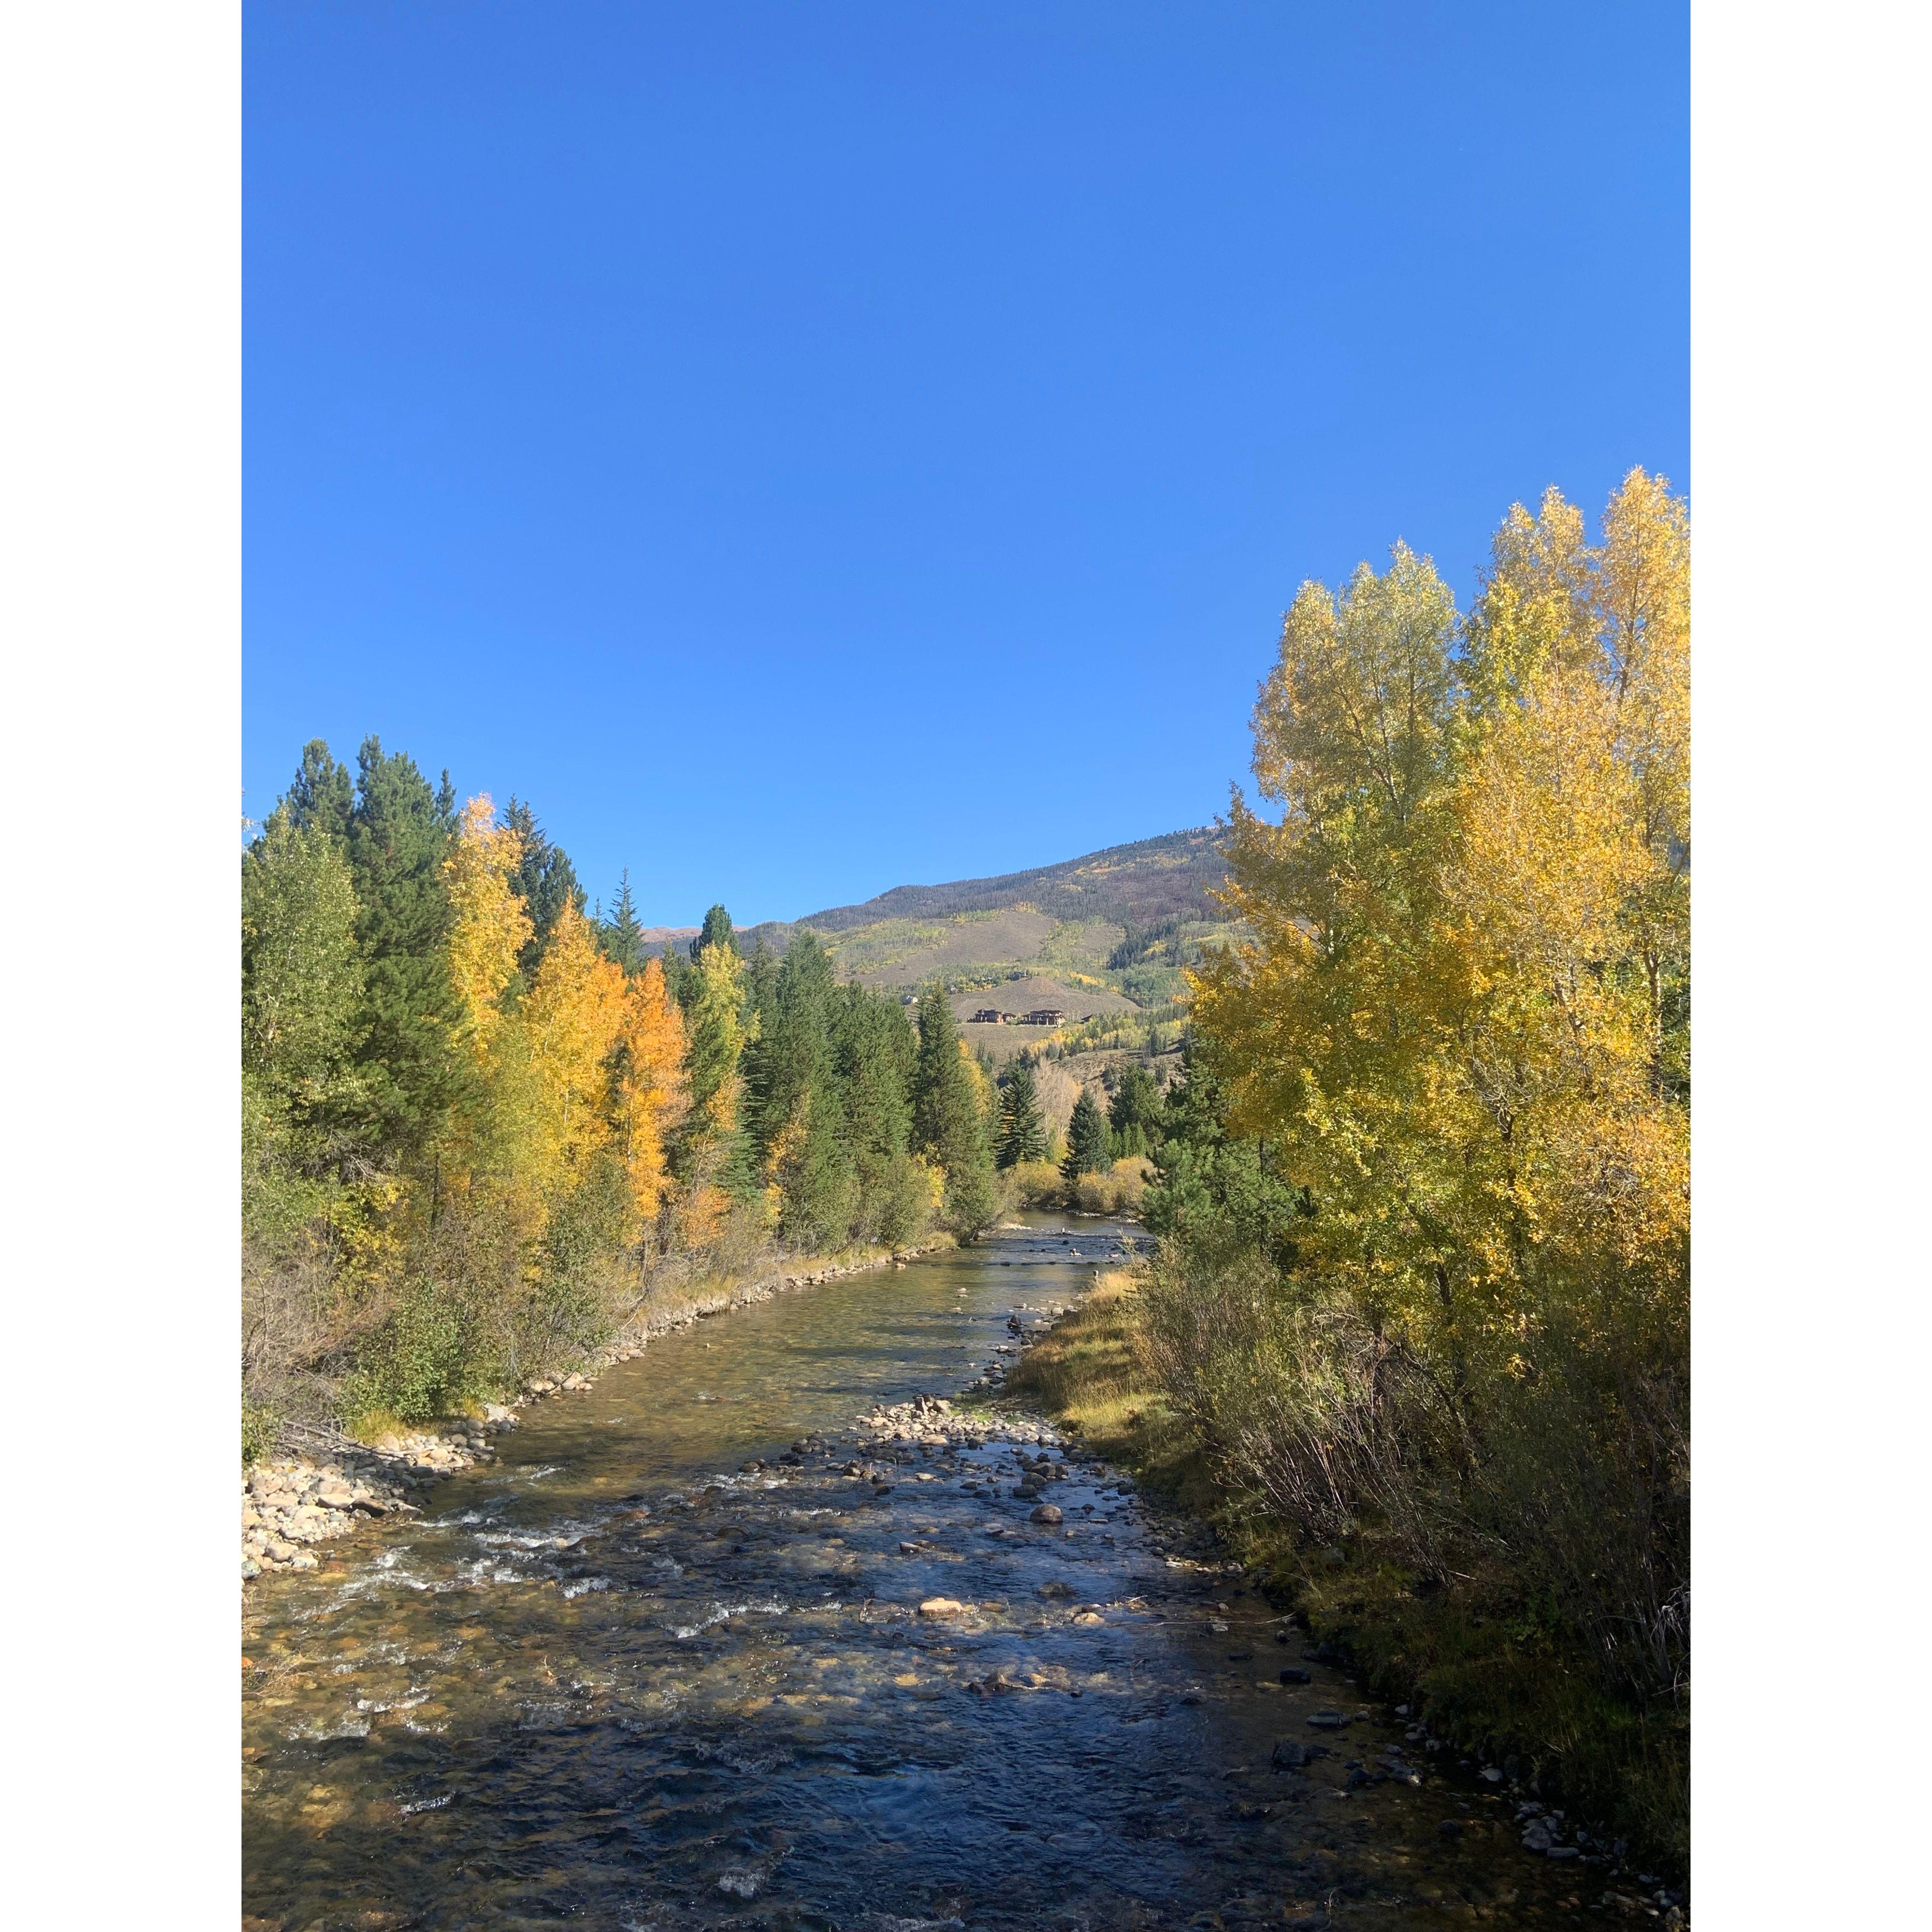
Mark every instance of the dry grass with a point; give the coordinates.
(1091, 1372)
(1497, 1676)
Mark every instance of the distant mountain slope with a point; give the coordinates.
(1152, 879)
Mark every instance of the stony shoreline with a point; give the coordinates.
(292, 1501)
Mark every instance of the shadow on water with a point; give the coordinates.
(617, 1680)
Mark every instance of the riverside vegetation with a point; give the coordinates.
(486, 1134)
(1417, 1332)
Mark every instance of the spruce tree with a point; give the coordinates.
(1087, 1149)
(546, 881)
(1022, 1133)
(874, 1052)
(948, 1125)
(321, 795)
(623, 937)
(396, 843)
(716, 930)
(794, 1108)
(1135, 1113)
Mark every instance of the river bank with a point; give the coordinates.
(789, 1628)
(1510, 1707)
(294, 1500)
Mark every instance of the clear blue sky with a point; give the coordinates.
(805, 449)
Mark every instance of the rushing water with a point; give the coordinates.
(614, 1680)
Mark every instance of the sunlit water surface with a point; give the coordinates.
(611, 1681)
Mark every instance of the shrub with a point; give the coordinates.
(1120, 1190)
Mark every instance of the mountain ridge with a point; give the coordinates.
(1170, 876)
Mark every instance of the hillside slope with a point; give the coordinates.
(1137, 884)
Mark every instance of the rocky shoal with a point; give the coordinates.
(293, 1501)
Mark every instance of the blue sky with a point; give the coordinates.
(804, 449)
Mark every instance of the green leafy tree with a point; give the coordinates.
(302, 969)
(302, 994)
(949, 1125)
(1022, 1133)
(1087, 1149)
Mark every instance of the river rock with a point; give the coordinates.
(338, 1495)
(1288, 1755)
(1326, 1721)
(1047, 1513)
(941, 1607)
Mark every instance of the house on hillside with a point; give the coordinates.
(989, 1016)
(1046, 1016)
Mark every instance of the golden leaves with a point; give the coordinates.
(489, 927)
(1460, 1019)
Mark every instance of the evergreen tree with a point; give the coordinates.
(622, 936)
(874, 1050)
(302, 994)
(1022, 1133)
(716, 930)
(794, 1105)
(1135, 1113)
(321, 795)
(397, 844)
(1087, 1149)
(948, 1124)
(546, 881)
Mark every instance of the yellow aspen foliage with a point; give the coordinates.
(574, 1017)
(986, 1095)
(719, 1038)
(489, 927)
(1461, 1016)
(650, 1091)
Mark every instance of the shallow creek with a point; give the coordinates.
(614, 1680)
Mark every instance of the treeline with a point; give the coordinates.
(478, 1123)
(1424, 1293)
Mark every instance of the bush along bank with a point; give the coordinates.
(292, 1501)
(1488, 1694)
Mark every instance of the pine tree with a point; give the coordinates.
(716, 930)
(1087, 1149)
(793, 1105)
(321, 795)
(949, 1126)
(1022, 1133)
(397, 844)
(546, 882)
(1134, 1113)
(873, 1051)
(623, 937)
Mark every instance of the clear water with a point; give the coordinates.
(611, 1681)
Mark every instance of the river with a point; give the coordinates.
(614, 1680)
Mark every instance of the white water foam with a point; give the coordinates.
(723, 1614)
